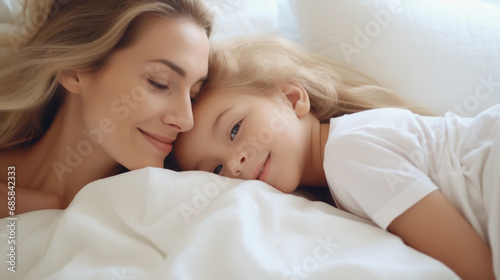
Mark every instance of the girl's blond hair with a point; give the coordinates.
(70, 34)
(259, 65)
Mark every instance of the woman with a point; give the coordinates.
(102, 85)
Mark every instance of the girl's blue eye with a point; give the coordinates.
(234, 131)
(158, 86)
(218, 169)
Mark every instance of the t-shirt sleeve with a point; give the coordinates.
(377, 172)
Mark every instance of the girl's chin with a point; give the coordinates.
(283, 188)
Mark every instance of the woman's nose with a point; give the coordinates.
(179, 113)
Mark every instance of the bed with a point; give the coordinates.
(159, 224)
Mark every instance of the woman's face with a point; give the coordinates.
(135, 105)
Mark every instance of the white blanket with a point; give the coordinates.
(158, 224)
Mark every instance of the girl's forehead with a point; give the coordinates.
(219, 100)
(229, 94)
(217, 97)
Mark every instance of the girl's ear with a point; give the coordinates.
(70, 80)
(298, 98)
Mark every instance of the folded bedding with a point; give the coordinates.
(159, 224)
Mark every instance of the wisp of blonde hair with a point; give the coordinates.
(260, 64)
(73, 34)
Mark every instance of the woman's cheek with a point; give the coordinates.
(123, 106)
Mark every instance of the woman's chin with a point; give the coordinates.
(135, 164)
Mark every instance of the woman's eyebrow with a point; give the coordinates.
(176, 68)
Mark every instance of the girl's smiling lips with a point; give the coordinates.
(262, 170)
(162, 143)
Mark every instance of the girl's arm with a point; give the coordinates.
(434, 227)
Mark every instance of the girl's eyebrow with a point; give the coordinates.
(217, 120)
(215, 127)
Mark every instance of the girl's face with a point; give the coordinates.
(135, 106)
(246, 136)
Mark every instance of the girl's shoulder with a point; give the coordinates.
(382, 112)
(382, 118)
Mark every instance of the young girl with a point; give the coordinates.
(274, 113)
(96, 86)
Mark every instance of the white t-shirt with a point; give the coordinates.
(378, 163)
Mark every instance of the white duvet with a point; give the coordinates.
(159, 224)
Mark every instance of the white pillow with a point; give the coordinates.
(234, 17)
(9, 23)
(444, 55)
(9, 9)
(243, 18)
(237, 18)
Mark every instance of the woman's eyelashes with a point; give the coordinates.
(158, 86)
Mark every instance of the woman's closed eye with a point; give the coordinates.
(158, 86)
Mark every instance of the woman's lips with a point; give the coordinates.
(263, 170)
(162, 143)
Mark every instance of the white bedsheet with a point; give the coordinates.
(158, 224)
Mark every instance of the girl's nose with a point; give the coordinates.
(236, 164)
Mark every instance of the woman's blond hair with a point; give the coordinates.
(70, 34)
(259, 65)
